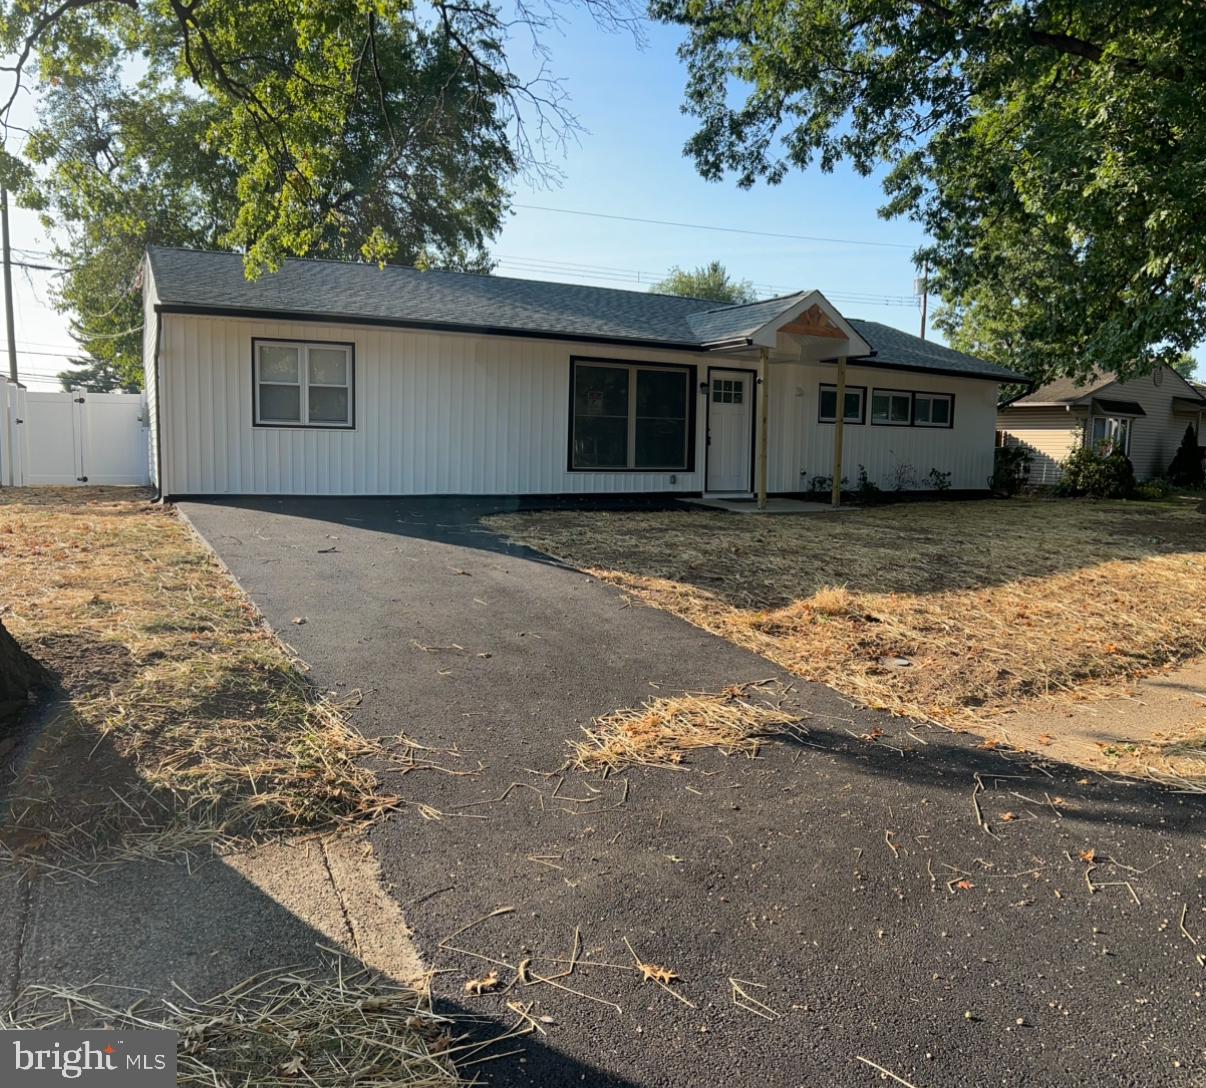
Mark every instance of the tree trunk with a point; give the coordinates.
(20, 677)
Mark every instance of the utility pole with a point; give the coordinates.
(924, 284)
(6, 402)
(8, 287)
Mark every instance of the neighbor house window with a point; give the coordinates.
(1114, 430)
(856, 396)
(301, 384)
(631, 416)
(933, 409)
(891, 407)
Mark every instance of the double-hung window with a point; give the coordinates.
(631, 416)
(1114, 431)
(855, 401)
(298, 383)
(933, 410)
(891, 407)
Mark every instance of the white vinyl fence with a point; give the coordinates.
(71, 438)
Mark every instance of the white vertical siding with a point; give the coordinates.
(805, 447)
(462, 414)
(435, 414)
(150, 380)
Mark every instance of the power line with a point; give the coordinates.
(611, 274)
(709, 226)
(51, 354)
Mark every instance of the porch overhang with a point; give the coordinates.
(815, 328)
(808, 328)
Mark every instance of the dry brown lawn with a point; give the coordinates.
(960, 614)
(184, 721)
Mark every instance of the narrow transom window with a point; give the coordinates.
(855, 401)
(891, 407)
(933, 410)
(303, 384)
(630, 416)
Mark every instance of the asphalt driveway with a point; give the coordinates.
(849, 883)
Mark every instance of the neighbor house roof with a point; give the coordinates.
(194, 281)
(1063, 391)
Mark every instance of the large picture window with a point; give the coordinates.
(631, 416)
(297, 383)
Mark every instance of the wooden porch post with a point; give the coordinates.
(839, 425)
(764, 412)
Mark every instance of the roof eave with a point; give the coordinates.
(259, 313)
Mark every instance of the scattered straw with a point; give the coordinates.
(186, 720)
(955, 613)
(333, 1027)
(661, 731)
(661, 976)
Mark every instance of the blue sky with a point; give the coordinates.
(628, 162)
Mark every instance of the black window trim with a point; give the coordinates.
(913, 394)
(303, 425)
(862, 416)
(950, 419)
(891, 392)
(691, 373)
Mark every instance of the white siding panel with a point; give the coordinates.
(458, 414)
(150, 379)
(805, 448)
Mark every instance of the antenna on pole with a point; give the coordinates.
(921, 288)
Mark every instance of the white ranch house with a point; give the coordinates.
(330, 378)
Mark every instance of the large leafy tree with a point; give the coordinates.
(347, 128)
(1054, 151)
(710, 280)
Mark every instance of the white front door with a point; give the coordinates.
(730, 430)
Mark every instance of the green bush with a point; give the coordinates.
(1009, 467)
(1154, 490)
(1186, 469)
(1099, 472)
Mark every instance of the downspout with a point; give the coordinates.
(764, 403)
(839, 433)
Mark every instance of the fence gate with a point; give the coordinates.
(72, 438)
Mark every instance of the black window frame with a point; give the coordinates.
(889, 422)
(690, 373)
(949, 397)
(862, 401)
(302, 424)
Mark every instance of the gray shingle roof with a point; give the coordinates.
(1064, 391)
(339, 290)
(902, 349)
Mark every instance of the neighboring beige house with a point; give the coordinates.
(1146, 415)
